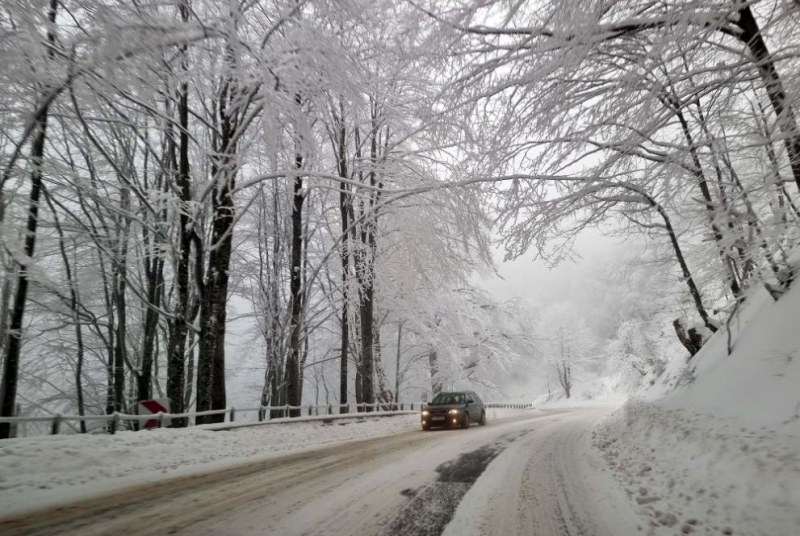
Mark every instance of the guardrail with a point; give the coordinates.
(264, 413)
(115, 420)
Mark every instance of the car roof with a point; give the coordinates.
(471, 393)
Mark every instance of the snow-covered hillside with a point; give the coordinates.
(720, 454)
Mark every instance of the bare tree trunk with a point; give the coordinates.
(367, 344)
(687, 274)
(784, 198)
(188, 392)
(359, 381)
(293, 387)
(120, 278)
(726, 210)
(436, 380)
(303, 294)
(564, 376)
(213, 309)
(211, 392)
(8, 384)
(397, 361)
(384, 393)
(344, 210)
(5, 299)
(110, 350)
(366, 270)
(689, 337)
(787, 122)
(176, 346)
(754, 223)
(727, 262)
(73, 305)
(345, 333)
(155, 280)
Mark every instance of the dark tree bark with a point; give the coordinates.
(384, 393)
(397, 361)
(787, 122)
(687, 274)
(564, 372)
(154, 277)
(211, 393)
(189, 385)
(5, 309)
(294, 391)
(776, 180)
(366, 318)
(176, 346)
(365, 263)
(74, 304)
(154, 271)
(690, 338)
(8, 384)
(711, 210)
(436, 380)
(694, 291)
(120, 280)
(358, 386)
(344, 210)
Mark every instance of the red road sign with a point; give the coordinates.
(153, 406)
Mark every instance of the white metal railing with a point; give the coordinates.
(114, 420)
(265, 413)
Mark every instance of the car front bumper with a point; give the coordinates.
(445, 420)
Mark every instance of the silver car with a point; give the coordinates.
(451, 409)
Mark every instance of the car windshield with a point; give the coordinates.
(443, 399)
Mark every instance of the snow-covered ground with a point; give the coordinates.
(712, 448)
(42, 471)
(550, 480)
(534, 473)
(720, 454)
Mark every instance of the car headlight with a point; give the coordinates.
(425, 413)
(453, 412)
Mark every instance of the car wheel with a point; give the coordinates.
(465, 423)
(426, 427)
(482, 422)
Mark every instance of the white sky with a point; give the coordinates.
(536, 284)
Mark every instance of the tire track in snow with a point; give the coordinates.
(172, 505)
(432, 506)
(550, 483)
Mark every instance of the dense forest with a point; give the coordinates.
(340, 174)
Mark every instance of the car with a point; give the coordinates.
(453, 408)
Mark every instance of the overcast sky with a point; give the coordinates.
(535, 283)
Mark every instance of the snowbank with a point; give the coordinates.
(690, 470)
(758, 384)
(721, 453)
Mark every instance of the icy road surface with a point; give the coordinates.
(535, 474)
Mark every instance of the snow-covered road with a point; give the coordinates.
(541, 477)
(550, 481)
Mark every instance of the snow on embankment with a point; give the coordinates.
(721, 455)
